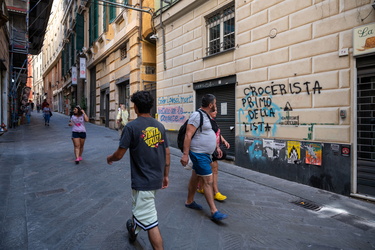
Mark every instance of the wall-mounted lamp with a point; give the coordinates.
(154, 37)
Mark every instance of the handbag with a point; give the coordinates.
(50, 113)
(223, 149)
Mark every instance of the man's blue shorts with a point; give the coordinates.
(201, 163)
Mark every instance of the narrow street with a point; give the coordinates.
(49, 202)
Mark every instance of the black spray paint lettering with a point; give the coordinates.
(258, 102)
(254, 126)
(282, 89)
(256, 113)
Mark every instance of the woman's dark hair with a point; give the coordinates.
(79, 113)
(143, 100)
(207, 99)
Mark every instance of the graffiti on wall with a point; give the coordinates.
(176, 99)
(258, 105)
(171, 114)
(170, 109)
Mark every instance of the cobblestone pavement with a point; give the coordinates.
(49, 202)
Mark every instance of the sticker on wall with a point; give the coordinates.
(313, 154)
(345, 150)
(272, 148)
(294, 152)
(256, 150)
(335, 149)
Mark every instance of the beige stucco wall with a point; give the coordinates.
(305, 50)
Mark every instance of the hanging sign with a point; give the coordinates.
(74, 75)
(364, 39)
(82, 68)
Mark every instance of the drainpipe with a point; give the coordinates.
(140, 39)
(163, 35)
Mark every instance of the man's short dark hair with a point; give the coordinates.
(207, 99)
(143, 100)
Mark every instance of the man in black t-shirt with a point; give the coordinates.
(149, 159)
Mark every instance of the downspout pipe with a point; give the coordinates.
(140, 39)
(163, 35)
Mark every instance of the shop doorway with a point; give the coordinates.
(366, 126)
(224, 90)
(104, 106)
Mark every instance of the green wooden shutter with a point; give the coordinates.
(79, 31)
(94, 13)
(64, 61)
(112, 12)
(105, 22)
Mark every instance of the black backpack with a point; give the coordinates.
(182, 132)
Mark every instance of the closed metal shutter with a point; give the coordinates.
(225, 101)
(366, 125)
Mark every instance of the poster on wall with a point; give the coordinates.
(82, 68)
(74, 75)
(272, 148)
(364, 39)
(294, 152)
(313, 154)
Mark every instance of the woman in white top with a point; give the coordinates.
(77, 121)
(122, 118)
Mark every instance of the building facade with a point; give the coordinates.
(4, 64)
(294, 82)
(121, 57)
(52, 50)
(38, 86)
(101, 54)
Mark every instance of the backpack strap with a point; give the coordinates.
(201, 120)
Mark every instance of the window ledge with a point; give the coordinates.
(219, 53)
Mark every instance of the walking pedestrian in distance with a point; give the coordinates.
(146, 140)
(28, 112)
(200, 148)
(77, 121)
(122, 118)
(44, 103)
(46, 114)
(215, 164)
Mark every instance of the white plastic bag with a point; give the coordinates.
(189, 166)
